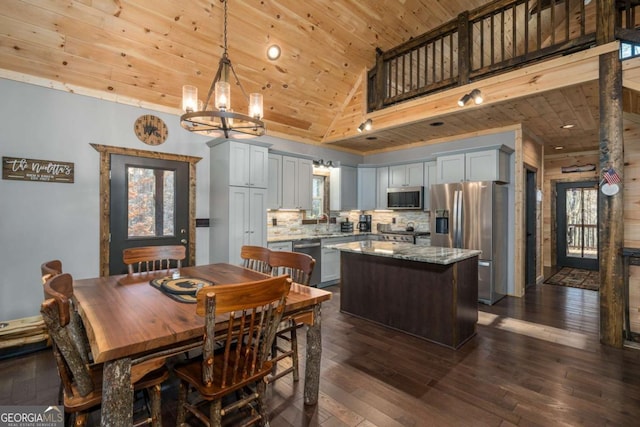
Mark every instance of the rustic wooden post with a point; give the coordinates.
(117, 394)
(314, 352)
(464, 48)
(610, 208)
(209, 338)
(67, 347)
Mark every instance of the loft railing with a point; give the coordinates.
(500, 36)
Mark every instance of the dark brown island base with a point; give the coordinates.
(429, 292)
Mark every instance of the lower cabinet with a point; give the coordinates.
(330, 268)
(281, 246)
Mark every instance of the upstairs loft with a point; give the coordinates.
(486, 47)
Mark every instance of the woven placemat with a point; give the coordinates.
(181, 289)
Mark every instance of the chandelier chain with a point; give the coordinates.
(225, 28)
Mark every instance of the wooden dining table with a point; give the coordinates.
(128, 321)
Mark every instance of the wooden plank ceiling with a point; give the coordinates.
(143, 51)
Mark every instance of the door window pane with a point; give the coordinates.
(151, 202)
(582, 222)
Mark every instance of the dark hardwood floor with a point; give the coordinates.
(534, 361)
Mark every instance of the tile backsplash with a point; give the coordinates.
(290, 222)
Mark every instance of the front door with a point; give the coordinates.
(149, 205)
(577, 219)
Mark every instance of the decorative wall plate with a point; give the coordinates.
(609, 189)
(151, 129)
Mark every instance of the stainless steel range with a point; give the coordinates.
(402, 236)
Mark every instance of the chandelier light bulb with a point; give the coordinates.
(255, 105)
(223, 95)
(189, 98)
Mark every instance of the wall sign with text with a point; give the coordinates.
(22, 169)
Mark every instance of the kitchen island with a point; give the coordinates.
(430, 292)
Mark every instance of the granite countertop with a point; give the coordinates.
(407, 251)
(314, 235)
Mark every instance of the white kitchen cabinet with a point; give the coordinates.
(409, 175)
(382, 183)
(488, 165)
(281, 246)
(482, 165)
(297, 176)
(330, 267)
(367, 189)
(430, 169)
(248, 165)
(450, 168)
(238, 213)
(343, 184)
(274, 195)
(247, 220)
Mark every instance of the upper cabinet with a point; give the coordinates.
(483, 165)
(343, 184)
(430, 169)
(297, 177)
(274, 195)
(367, 189)
(382, 183)
(248, 165)
(409, 175)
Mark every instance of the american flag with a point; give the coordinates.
(611, 176)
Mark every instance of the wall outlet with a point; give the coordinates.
(393, 220)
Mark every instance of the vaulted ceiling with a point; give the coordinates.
(142, 51)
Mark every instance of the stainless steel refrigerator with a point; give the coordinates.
(473, 215)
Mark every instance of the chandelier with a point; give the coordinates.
(220, 120)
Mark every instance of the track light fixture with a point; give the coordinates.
(367, 125)
(474, 95)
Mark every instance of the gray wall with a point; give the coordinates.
(43, 221)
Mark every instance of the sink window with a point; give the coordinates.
(319, 195)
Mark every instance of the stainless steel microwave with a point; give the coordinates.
(405, 198)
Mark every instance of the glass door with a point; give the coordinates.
(577, 219)
(149, 205)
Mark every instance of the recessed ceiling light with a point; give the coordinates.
(558, 147)
(435, 124)
(273, 52)
(568, 126)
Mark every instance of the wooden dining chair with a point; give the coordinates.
(299, 267)
(81, 380)
(256, 258)
(239, 362)
(153, 258)
(49, 269)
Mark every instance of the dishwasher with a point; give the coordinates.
(312, 248)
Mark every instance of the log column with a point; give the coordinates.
(610, 208)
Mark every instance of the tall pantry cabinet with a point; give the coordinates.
(238, 199)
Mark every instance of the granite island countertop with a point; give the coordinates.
(407, 251)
